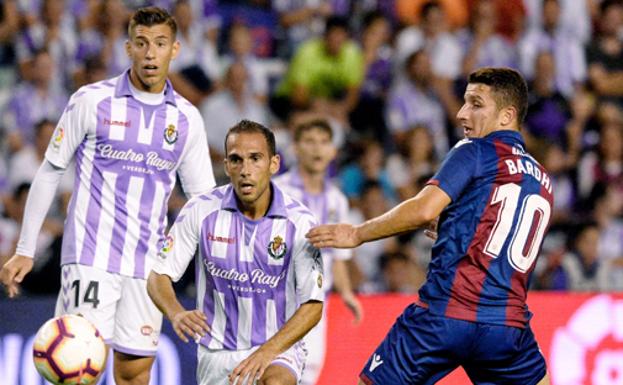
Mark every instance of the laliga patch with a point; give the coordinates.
(170, 134)
(319, 281)
(167, 244)
(58, 138)
(277, 248)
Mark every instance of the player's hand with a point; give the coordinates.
(431, 229)
(13, 273)
(340, 235)
(353, 304)
(190, 323)
(252, 368)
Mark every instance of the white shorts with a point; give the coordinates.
(118, 306)
(315, 342)
(214, 366)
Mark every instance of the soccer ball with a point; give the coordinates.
(69, 350)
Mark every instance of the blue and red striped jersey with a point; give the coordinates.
(491, 233)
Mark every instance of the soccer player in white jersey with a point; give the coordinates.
(309, 183)
(259, 281)
(129, 137)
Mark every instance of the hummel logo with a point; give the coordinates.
(376, 361)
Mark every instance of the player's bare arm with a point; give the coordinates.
(409, 215)
(13, 273)
(186, 323)
(301, 322)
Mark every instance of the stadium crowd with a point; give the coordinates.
(387, 74)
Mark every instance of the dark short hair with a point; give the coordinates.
(150, 16)
(508, 86)
(320, 124)
(607, 4)
(338, 22)
(248, 126)
(42, 123)
(371, 17)
(428, 7)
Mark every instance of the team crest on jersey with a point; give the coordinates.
(58, 138)
(170, 134)
(277, 248)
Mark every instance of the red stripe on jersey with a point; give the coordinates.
(471, 271)
(516, 304)
(366, 380)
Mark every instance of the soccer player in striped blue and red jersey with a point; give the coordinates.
(494, 203)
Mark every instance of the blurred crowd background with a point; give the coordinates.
(388, 75)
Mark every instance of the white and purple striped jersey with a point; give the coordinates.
(127, 154)
(330, 206)
(251, 275)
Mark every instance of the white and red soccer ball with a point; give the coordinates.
(69, 350)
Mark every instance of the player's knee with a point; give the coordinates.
(132, 370)
(131, 377)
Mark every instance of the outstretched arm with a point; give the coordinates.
(408, 215)
(40, 197)
(301, 322)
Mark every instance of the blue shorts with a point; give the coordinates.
(421, 348)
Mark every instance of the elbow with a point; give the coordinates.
(152, 285)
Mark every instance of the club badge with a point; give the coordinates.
(277, 248)
(170, 134)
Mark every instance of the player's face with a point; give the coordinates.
(479, 115)
(249, 166)
(151, 49)
(315, 150)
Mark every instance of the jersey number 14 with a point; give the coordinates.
(529, 231)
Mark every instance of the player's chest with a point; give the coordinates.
(138, 136)
(261, 251)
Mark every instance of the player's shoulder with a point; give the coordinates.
(186, 107)
(94, 92)
(296, 211)
(206, 203)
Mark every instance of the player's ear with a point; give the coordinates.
(275, 163)
(509, 115)
(127, 48)
(225, 167)
(175, 50)
(333, 152)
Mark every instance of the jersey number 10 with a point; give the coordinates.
(529, 231)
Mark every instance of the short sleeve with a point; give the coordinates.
(308, 266)
(195, 169)
(70, 131)
(458, 169)
(353, 65)
(180, 244)
(301, 67)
